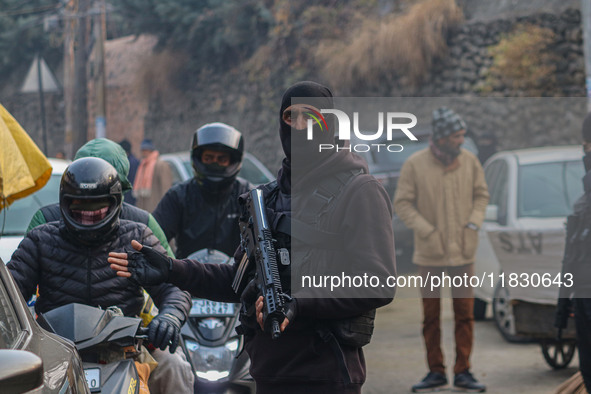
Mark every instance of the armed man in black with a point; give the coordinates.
(203, 211)
(577, 266)
(319, 348)
(67, 259)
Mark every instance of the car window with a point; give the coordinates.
(252, 173)
(491, 172)
(496, 175)
(174, 172)
(15, 219)
(9, 324)
(549, 189)
(501, 192)
(189, 166)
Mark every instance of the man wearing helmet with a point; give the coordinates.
(115, 155)
(203, 211)
(67, 259)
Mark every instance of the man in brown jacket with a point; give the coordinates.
(153, 178)
(442, 195)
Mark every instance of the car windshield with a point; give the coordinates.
(15, 219)
(252, 173)
(549, 189)
(394, 161)
(9, 325)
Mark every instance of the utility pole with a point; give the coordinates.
(100, 29)
(70, 12)
(42, 104)
(586, 20)
(80, 121)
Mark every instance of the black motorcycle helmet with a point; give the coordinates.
(90, 199)
(221, 137)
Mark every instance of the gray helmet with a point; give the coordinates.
(221, 137)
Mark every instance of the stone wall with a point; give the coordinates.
(464, 69)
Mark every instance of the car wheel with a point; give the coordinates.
(504, 318)
(479, 309)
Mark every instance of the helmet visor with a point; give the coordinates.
(90, 211)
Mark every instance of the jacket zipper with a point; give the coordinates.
(89, 285)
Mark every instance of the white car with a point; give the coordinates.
(531, 193)
(15, 219)
(252, 169)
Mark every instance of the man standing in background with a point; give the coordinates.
(442, 195)
(153, 178)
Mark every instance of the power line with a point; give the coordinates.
(30, 11)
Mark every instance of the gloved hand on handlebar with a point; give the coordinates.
(165, 330)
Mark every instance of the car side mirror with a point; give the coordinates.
(492, 213)
(20, 371)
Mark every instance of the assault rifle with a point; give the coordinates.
(257, 242)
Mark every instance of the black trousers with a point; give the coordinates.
(583, 325)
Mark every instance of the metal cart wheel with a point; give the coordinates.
(558, 354)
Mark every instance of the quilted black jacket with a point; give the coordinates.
(67, 271)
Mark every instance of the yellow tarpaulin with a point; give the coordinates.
(23, 167)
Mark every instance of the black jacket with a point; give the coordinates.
(68, 272)
(300, 360)
(581, 269)
(195, 222)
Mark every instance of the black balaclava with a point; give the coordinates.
(297, 144)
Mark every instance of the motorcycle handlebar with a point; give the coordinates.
(142, 333)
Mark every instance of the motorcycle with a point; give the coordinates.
(211, 343)
(108, 343)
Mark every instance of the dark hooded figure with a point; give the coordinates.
(346, 217)
(487, 146)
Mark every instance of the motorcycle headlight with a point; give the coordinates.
(213, 363)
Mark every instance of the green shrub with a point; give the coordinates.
(522, 61)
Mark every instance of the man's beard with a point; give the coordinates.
(452, 151)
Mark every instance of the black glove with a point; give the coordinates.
(165, 329)
(291, 308)
(148, 267)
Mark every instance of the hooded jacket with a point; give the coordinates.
(300, 357)
(68, 272)
(301, 360)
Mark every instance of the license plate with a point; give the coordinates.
(211, 308)
(93, 379)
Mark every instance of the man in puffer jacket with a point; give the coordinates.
(113, 154)
(67, 259)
